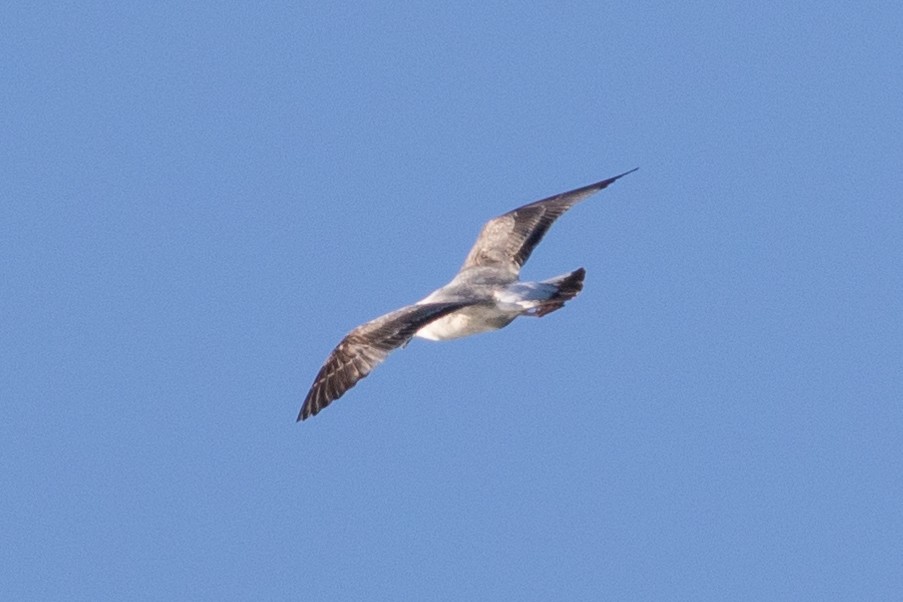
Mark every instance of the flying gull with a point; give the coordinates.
(486, 294)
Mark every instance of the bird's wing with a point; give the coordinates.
(364, 348)
(507, 240)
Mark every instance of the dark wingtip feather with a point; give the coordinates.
(306, 410)
(605, 183)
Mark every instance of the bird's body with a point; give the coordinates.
(486, 294)
(494, 301)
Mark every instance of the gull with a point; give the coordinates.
(486, 294)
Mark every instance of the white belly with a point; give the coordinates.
(465, 322)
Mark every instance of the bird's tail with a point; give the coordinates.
(567, 285)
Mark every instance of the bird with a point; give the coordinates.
(486, 294)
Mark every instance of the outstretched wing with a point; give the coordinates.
(364, 348)
(507, 240)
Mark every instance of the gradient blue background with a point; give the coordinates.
(196, 203)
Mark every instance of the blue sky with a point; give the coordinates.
(197, 202)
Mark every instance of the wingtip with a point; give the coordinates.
(305, 413)
(626, 173)
(605, 183)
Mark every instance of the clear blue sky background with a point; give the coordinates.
(197, 202)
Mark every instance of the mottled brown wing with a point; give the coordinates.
(364, 348)
(507, 240)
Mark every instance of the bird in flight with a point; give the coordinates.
(486, 294)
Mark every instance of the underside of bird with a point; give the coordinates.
(486, 294)
(502, 306)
